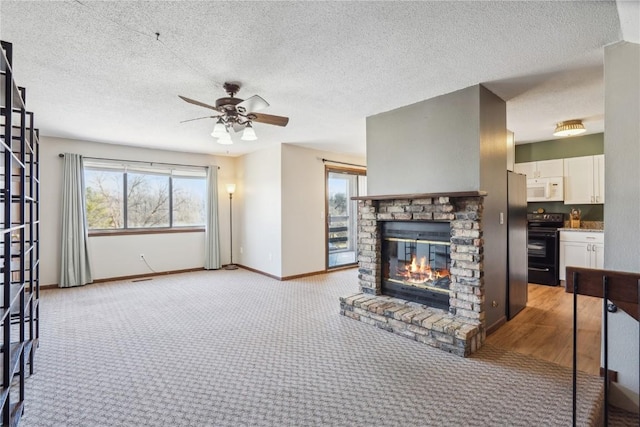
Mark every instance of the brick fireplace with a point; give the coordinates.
(461, 328)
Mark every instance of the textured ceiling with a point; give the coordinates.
(95, 70)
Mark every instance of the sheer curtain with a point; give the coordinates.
(75, 269)
(211, 235)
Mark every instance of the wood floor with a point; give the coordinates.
(544, 328)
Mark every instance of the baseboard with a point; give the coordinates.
(134, 276)
(300, 276)
(253, 270)
(613, 375)
(295, 276)
(496, 325)
(189, 270)
(139, 276)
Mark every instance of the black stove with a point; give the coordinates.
(543, 247)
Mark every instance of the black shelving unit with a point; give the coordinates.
(19, 240)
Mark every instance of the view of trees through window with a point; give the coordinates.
(129, 200)
(342, 214)
(104, 200)
(338, 212)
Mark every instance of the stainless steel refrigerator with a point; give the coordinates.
(517, 270)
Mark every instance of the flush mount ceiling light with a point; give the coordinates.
(569, 128)
(237, 114)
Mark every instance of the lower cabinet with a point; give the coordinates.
(581, 249)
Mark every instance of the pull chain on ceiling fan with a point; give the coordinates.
(237, 114)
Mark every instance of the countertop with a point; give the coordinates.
(588, 230)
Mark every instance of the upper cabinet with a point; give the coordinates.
(540, 169)
(584, 180)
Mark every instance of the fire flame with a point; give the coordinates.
(423, 272)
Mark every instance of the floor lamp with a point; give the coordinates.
(231, 188)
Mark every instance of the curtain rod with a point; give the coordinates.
(342, 163)
(140, 161)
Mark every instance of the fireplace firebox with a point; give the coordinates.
(416, 262)
(426, 248)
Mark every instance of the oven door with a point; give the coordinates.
(542, 251)
(541, 247)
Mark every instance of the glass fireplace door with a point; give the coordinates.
(416, 259)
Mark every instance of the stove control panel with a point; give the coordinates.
(545, 217)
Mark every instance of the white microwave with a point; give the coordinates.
(545, 189)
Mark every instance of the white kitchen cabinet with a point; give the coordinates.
(598, 186)
(527, 168)
(540, 169)
(584, 180)
(581, 249)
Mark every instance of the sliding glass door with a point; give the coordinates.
(342, 214)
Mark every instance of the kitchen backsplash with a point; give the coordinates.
(587, 225)
(590, 213)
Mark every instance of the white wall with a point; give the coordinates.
(303, 208)
(280, 227)
(116, 256)
(622, 209)
(259, 203)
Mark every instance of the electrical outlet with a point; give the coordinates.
(241, 249)
(141, 257)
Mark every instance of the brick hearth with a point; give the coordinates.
(461, 330)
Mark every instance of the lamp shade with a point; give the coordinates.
(219, 129)
(249, 134)
(225, 139)
(231, 188)
(569, 128)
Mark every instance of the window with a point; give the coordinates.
(342, 213)
(147, 200)
(129, 196)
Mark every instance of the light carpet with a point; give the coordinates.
(234, 348)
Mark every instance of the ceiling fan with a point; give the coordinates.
(237, 114)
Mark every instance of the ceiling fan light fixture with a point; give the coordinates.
(248, 134)
(219, 129)
(225, 139)
(569, 128)
(237, 114)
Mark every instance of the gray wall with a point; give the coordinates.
(493, 180)
(622, 210)
(430, 146)
(454, 142)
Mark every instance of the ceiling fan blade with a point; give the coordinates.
(255, 103)
(199, 118)
(194, 102)
(271, 120)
